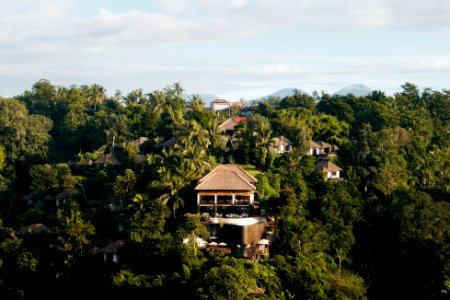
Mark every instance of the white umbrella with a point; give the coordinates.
(263, 242)
(222, 244)
(213, 244)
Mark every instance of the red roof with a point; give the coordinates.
(239, 119)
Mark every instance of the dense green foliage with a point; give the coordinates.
(381, 233)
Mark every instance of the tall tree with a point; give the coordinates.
(21, 134)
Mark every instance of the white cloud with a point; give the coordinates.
(46, 38)
(238, 3)
(431, 65)
(42, 26)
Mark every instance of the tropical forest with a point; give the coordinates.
(98, 198)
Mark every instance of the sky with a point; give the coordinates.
(229, 48)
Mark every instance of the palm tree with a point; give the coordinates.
(178, 89)
(215, 136)
(198, 135)
(134, 97)
(177, 117)
(157, 102)
(171, 183)
(97, 95)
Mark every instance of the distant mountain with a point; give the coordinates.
(281, 93)
(207, 98)
(358, 90)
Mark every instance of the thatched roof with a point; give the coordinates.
(114, 247)
(220, 101)
(170, 142)
(139, 141)
(107, 159)
(48, 198)
(327, 166)
(140, 159)
(94, 250)
(256, 293)
(285, 141)
(281, 140)
(64, 195)
(227, 177)
(34, 228)
(319, 144)
(231, 123)
(225, 181)
(233, 168)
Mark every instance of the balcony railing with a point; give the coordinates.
(206, 201)
(242, 202)
(224, 201)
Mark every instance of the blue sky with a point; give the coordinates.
(230, 48)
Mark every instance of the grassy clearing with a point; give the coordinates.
(251, 169)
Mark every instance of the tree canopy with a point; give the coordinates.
(97, 194)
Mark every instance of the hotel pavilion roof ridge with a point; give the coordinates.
(230, 168)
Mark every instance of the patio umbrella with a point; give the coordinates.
(263, 242)
(222, 244)
(213, 244)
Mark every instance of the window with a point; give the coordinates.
(333, 173)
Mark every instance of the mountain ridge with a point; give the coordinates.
(358, 90)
